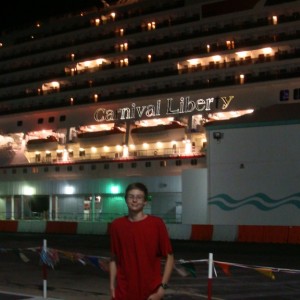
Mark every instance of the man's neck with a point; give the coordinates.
(135, 217)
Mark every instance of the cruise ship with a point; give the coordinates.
(93, 100)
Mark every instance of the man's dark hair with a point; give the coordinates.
(139, 186)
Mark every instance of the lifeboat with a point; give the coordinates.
(112, 137)
(49, 143)
(162, 133)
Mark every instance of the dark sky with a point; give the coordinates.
(24, 12)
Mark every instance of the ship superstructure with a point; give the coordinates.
(122, 92)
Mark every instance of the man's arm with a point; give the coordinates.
(169, 265)
(112, 276)
(168, 268)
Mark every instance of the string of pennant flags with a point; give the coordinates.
(51, 257)
(225, 267)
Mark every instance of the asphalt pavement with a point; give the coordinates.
(243, 271)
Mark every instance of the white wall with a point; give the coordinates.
(194, 196)
(254, 176)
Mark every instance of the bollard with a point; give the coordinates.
(209, 282)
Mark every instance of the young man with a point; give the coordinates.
(138, 243)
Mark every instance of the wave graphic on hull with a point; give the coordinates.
(260, 200)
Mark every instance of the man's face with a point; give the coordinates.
(135, 200)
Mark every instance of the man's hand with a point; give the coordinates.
(158, 295)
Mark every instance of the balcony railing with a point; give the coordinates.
(109, 156)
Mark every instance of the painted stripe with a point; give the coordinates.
(8, 226)
(61, 227)
(200, 232)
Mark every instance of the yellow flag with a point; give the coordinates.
(266, 272)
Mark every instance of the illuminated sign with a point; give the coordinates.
(171, 106)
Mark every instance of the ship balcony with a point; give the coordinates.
(80, 154)
(179, 19)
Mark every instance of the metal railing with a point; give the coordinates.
(116, 155)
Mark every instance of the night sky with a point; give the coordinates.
(24, 12)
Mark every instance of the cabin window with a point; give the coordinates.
(106, 166)
(133, 165)
(46, 169)
(93, 167)
(40, 121)
(62, 118)
(69, 168)
(81, 152)
(51, 119)
(163, 163)
(178, 162)
(14, 171)
(193, 162)
(34, 170)
(120, 166)
(284, 95)
(296, 94)
(38, 157)
(19, 123)
(81, 168)
(57, 169)
(48, 156)
(24, 171)
(148, 164)
(59, 154)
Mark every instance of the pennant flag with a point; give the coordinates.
(24, 257)
(104, 264)
(82, 261)
(266, 272)
(224, 266)
(189, 268)
(181, 271)
(68, 255)
(93, 260)
(54, 255)
(101, 263)
(46, 258)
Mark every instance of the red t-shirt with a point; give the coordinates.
(138, 248)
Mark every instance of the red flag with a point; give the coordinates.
(224, 267)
